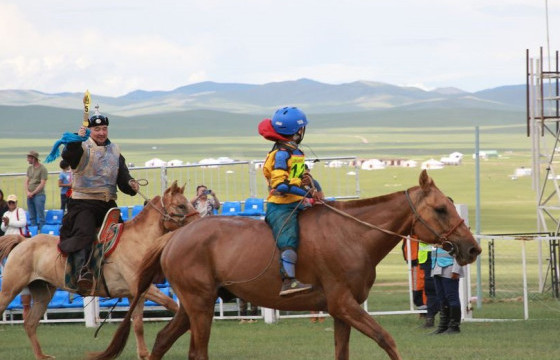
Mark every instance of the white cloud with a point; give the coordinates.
(115, 47)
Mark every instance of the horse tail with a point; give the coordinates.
(150, 269)
(8, 243)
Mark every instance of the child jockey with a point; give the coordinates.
(284, 170)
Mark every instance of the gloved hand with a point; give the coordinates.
(308, 202)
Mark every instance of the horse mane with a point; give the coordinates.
(361, 203)
(7, 243)
(142, 214)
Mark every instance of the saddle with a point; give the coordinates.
(107, 241)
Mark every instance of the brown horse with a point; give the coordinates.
(341, 244)
(36, 263)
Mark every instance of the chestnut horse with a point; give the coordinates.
(341, 244)
(37, 263)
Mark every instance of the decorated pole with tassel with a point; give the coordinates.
(68, 137)
(87, 101)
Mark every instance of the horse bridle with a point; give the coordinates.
(442, 239)
(166, 216)
(172, 216)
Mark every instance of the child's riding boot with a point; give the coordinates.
(290, 285)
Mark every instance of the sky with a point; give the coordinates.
(113, 47)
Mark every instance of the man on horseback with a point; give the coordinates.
(284, 171)
(98, 169)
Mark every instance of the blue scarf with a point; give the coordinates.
(66, 138)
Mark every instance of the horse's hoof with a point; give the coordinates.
(144, 356)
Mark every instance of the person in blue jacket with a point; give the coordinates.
(446, 273)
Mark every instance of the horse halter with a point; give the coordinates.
(167, 216)
(163, 211)
(442, 239)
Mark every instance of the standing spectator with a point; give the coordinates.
(98, 169)
(244, 311)
(3, 207)
(35, 181)
(446, 273)
(431, 299)
(204, 205)
(416, 274)
(14, 222)
(65, 183)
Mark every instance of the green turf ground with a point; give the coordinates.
(300, 339)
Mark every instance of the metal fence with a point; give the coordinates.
(234, 181)
(517, 278)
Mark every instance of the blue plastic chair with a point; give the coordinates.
(231, 208)
(124, 213)
(59, 300)
(253, 207)
(33, 230)
(136, 209)
(54, 217)
(74, 301)
(15, 304)
(51, 229)
(110, 302)
(162, 285)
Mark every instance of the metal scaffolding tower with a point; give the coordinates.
(543, 124)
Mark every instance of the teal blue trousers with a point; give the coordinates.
(283, 220)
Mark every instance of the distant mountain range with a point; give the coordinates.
(312, 96)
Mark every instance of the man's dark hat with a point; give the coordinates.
(98, 120)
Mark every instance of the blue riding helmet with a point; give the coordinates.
(288, 120)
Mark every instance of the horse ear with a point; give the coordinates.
(173, 187)
(425, 181)
(182, 189)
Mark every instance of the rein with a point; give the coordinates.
(442, 239)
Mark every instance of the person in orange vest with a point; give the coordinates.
(416, 272)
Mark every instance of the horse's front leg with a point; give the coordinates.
(138, 323)
(345, 308)
(341, 339)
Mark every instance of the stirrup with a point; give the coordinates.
(292, 286)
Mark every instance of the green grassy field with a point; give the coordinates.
(299, 339)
